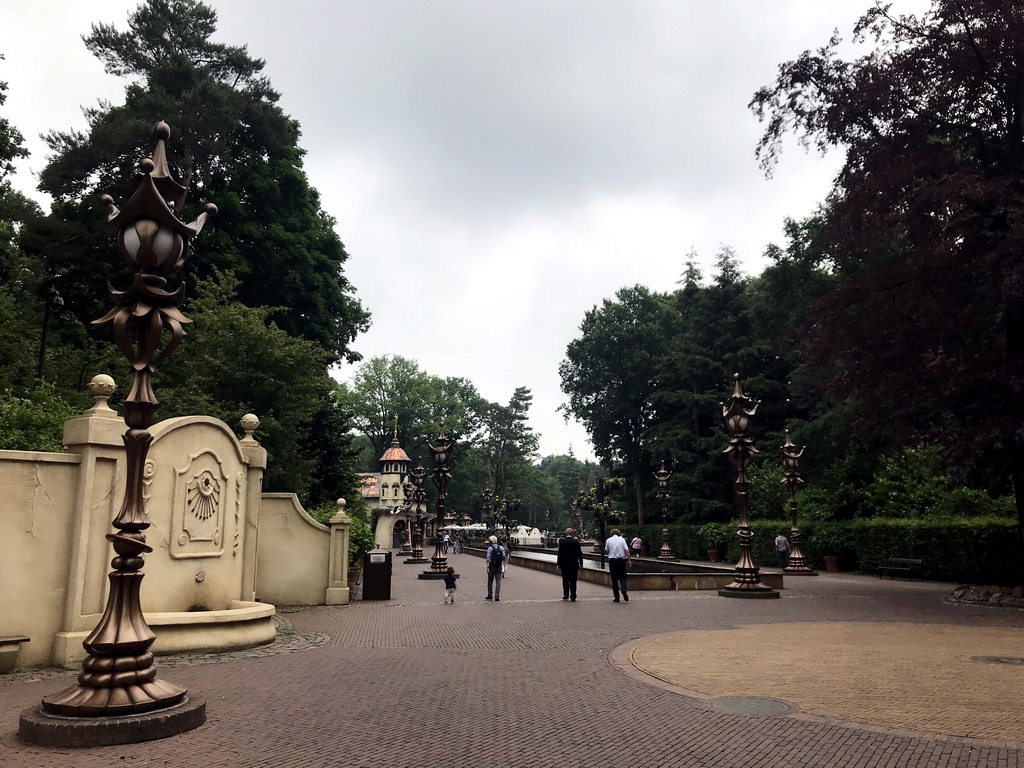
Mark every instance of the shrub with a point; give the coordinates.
(36, 422)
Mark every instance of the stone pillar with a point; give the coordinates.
(337, 577)
(95, 437)
(257, 456)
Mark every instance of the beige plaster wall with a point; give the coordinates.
(293, 553)
(195, 491)
(37, 492)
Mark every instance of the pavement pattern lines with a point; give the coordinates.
(899, 676)
(530, 682)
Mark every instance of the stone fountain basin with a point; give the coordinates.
(646, 573)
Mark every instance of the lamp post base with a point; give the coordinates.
(765, 593)
(45, 730)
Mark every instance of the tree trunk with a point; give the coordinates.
(639, 496)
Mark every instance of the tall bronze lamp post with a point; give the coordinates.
(409, 489)
(738, 417)
(791, 479)
(487, 512)
(661, 477)
(418, 478)
(442, 455)
(118, 678)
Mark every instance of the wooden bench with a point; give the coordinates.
(9, 646)
(908, 567)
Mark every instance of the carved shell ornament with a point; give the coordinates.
(203, 498)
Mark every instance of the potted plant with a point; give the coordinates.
(831, 542)
(715, 538)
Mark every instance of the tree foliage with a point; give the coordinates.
(924, 335)
(232, 144)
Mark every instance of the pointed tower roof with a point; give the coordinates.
(395, 452)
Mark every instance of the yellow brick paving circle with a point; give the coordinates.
(916, 677)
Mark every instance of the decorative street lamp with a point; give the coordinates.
(792, 480)
(738, 418)
(487, 511)
(409, 489)
(118, 678)
(600, 512)
(442, 455)
(662, 477)
(53, 304)
(418, 478)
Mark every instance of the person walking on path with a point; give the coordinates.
(495, 562)
(445, 542)
(449, 585)
(782, 547)
(618, 561)
(636, 545)
(570, 560)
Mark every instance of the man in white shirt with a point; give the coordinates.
(618, 561)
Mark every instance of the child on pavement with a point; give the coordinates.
(449, 586)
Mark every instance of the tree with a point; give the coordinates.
(392, 385)
(506, 436)
(263, 370)
(610, 374)
(231, 144)
(924, 337)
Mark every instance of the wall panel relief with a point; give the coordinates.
(201, 495)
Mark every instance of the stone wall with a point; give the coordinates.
(206, 584)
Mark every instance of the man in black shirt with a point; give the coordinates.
(570, 560)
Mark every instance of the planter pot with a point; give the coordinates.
(353, 577)
(714, 555)
(831, 563)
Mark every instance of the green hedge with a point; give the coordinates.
(978, 550)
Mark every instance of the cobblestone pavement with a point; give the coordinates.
(537, 682)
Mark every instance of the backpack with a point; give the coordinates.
(497, 556)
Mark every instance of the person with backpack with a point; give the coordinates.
(570, 560)
(495, 559)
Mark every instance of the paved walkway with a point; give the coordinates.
(844, 670)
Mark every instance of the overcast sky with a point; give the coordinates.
(496, 168)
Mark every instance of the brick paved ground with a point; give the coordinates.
(536, 682)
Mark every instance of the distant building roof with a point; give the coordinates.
(395, 452)
(370, 488)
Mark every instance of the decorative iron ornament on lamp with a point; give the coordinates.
(118, 677)
(661, 477)
(487, 510)
(418, 479)
(442, 453)
(791, 479)
(738, 417)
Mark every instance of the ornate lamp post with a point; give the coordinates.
(418, 478)
(118, 677)
(792, 480)
(738, 418)
(53, 305)
(409, 490)
(442, 455)
(661, 477)
(601, 513)
(487, 511)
